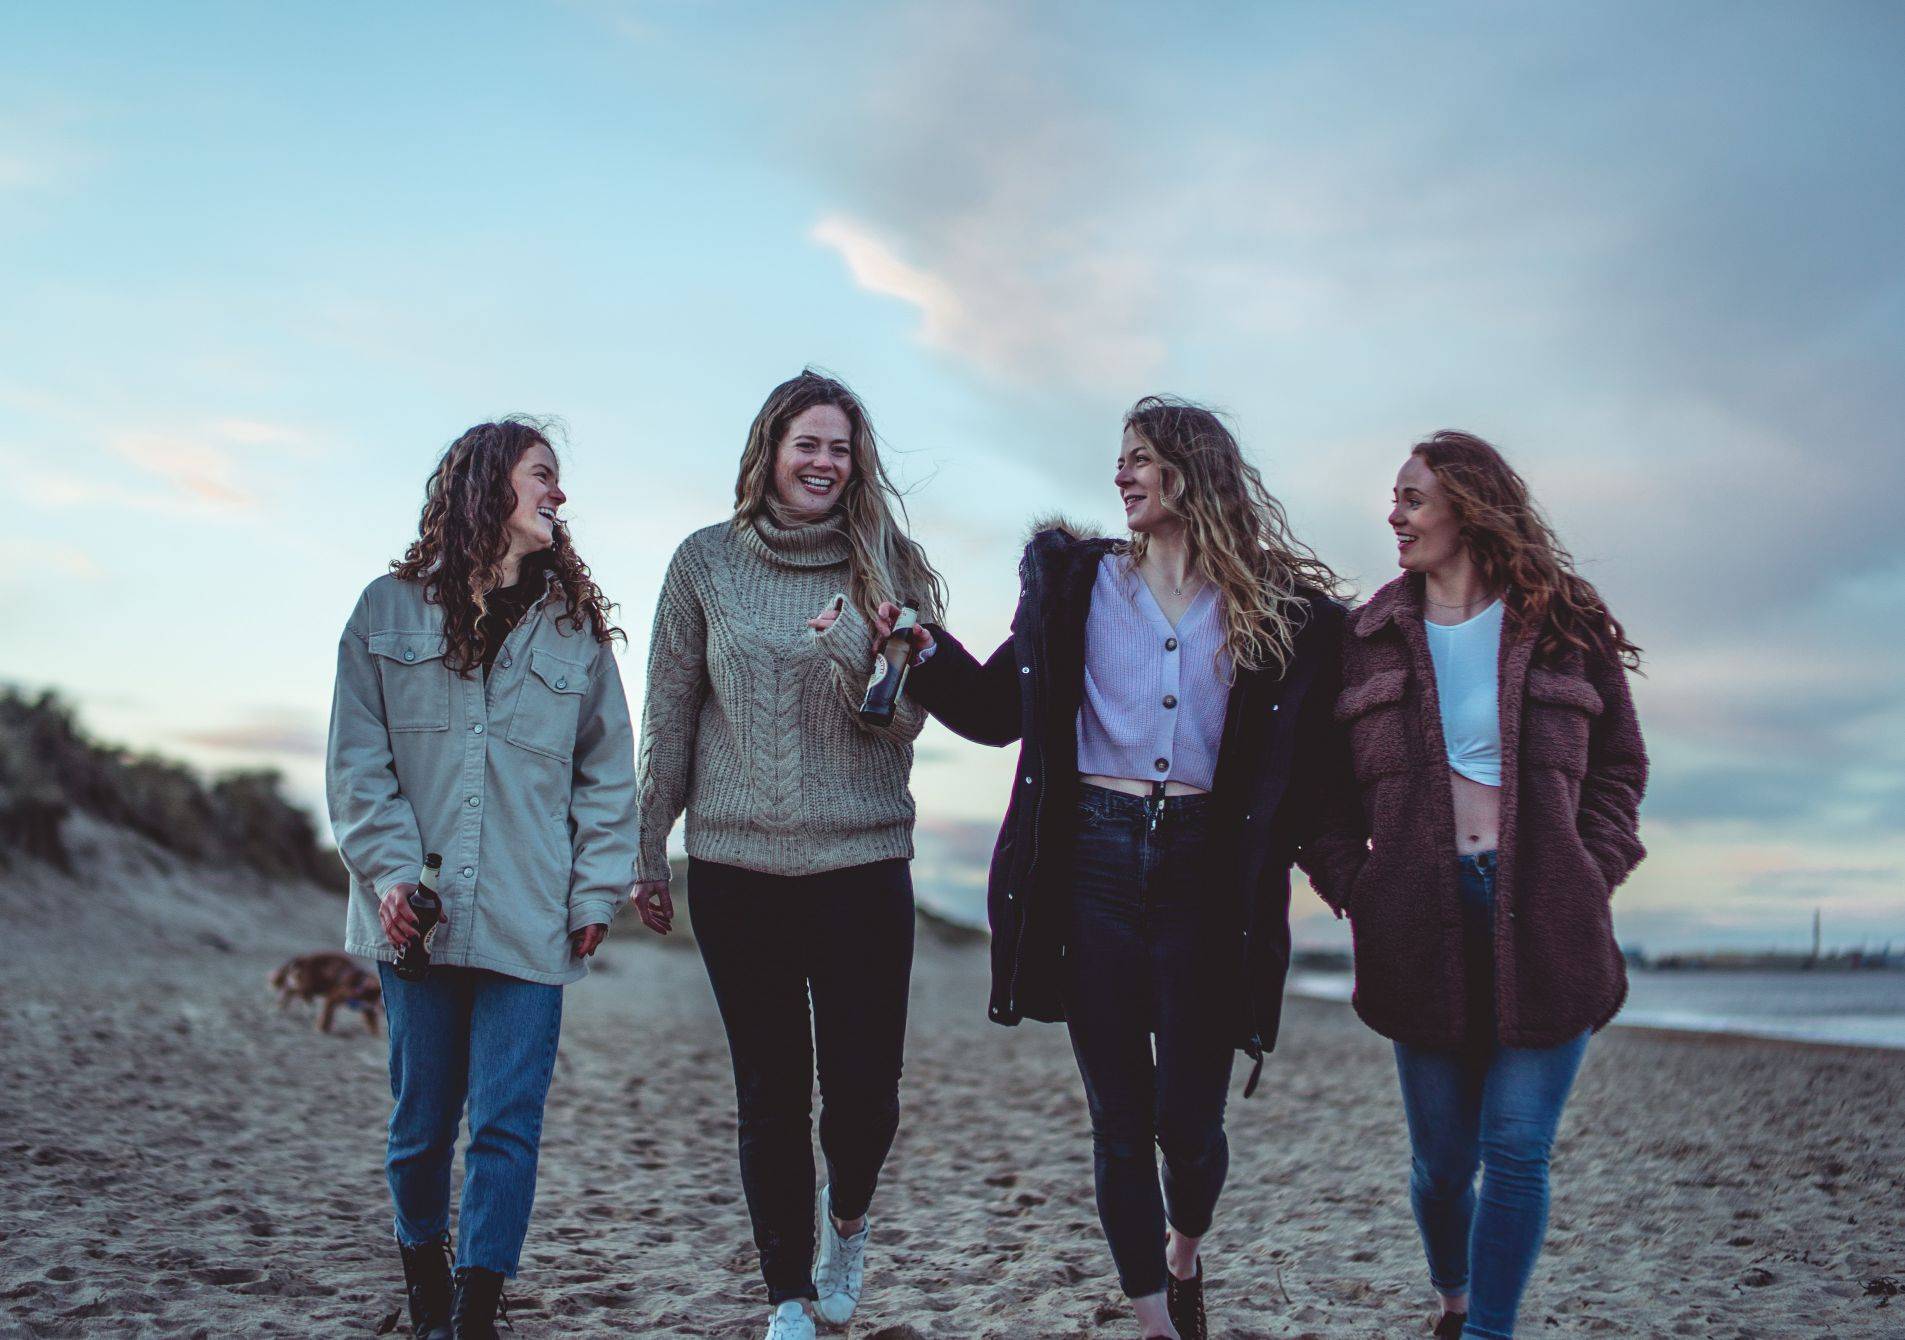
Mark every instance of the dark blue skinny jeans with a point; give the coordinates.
(463, 1036)
(1489, 1107)
(1140, 951)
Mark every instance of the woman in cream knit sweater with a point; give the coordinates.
(799, 821)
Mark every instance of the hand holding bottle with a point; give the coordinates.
(399, 922)
(885, 617)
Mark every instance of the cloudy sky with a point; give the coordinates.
(258, 264)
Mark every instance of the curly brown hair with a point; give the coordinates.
(461, 541)
(1517, 552)
(1241, 542)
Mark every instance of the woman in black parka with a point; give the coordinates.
(1171, 695)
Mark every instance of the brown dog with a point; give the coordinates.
(332, 978)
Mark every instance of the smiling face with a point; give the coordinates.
(814, 461)
(1428, 532)
(1140, 482)
(532, 526)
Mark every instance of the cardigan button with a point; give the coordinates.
(1162, 765)
(1170, 644)
(1170, 700)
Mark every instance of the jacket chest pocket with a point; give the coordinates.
(549, 706)
(416, 685)
(1557, 719)
(1381, 736)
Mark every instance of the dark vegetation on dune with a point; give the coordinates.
(49, 768)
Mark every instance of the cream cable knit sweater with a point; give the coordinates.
(750, 719)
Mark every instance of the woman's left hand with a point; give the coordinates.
(588, 940)
(822, 621)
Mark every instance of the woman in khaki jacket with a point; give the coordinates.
(479, 715)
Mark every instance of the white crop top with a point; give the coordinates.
(1466, 657)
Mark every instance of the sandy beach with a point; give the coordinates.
(182, 1159)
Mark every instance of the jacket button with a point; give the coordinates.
(477, 729)
(505, 662)
(1028, 781)
(1170, 644)
(410, 655)
(1162, 765)
(1025, 669)
(1246, 818)
(562, 683)
(1170, 700)
(474, 802)
(468, 871)
(1275, 706)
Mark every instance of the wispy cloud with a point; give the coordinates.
(284, 733)
(203, 471)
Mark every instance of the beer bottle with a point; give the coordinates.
(889, 669)
(413, 960)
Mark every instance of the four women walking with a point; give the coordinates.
(1455, 764)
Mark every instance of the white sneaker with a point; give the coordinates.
(790, 1322)
(841, 1267)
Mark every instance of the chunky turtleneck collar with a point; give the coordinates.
(821, 544)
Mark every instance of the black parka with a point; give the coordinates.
(1281, 784)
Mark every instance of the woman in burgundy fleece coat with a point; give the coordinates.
(1501, 767)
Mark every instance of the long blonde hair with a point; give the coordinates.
(1240, 538)
(885, 563)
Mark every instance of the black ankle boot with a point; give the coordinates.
(477, 1303)
(426, 1278)
(1184, 1300)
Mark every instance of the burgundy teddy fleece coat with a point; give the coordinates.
(1573, 769)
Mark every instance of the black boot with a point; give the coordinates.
(1184, 1300)
(426, 1278)
(477, 1304)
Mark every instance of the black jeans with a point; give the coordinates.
(844, 937)
(1141, 959)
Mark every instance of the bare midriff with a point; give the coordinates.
(1478, 814)
(1130, 786)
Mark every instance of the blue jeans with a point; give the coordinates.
(1142, 952)
(466, 1035)
(1490, 1107)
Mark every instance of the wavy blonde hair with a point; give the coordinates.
(1516, 551)
(1240, 537)
(885, 563)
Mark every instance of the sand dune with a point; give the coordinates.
(181, 1159)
